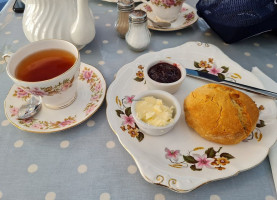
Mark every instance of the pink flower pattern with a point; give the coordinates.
(66, 86)
(222, 72)
(148, 8)
(14, 111)
(214, 70)
(210, 159)
(184, 9)
(155, 1)
(43, 125)
(36, 91)
(21, 93)
(87, 74)
(128, 120)
(95, 87)
(203, 161)
(27, 121)
(95, 98)
(172, 154)
(47, 91)
(90, 109)
(124, 112)
(37, 126)
(98, 87)
(129, 99)
(189, 16)
(66, 122)
(167, 3)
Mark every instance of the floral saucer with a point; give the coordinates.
(181, 160)
(90, 96)
(187, 17)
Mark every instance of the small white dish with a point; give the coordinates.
(168, 100)
(168, 87)
(187, 17)
(91, 90)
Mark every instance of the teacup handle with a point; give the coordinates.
(7, 57)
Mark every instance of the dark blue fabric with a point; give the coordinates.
(234, 20)
(2, 4)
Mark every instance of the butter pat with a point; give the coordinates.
(152, 111)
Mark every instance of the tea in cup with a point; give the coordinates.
(47, 68)
(165, 10)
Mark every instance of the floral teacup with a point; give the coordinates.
(57, 92)
(165, 10)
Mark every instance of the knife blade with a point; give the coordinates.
(212, 78)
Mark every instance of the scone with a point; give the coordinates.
(221, 114)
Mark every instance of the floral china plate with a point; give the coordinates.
(187, 17)
(181, 160)
(90, 96)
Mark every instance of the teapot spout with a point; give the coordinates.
(83, 29)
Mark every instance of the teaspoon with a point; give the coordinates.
(32, 107)
(159, 24)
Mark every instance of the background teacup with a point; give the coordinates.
(57, 92)
(165, 10)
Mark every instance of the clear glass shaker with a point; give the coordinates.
(124, 7)
(138, 35)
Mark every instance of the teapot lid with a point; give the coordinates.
(125, 5)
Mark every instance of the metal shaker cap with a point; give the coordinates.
(137, 17)
(125, 5)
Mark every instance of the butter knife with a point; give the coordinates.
(212, 78)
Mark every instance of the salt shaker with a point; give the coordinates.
(138, 35)
(124, 7)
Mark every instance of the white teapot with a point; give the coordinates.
(70, 20)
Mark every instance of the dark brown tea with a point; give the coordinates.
(44, 65)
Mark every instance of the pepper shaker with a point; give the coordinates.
(124, 7)
(138, 35)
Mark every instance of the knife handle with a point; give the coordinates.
(255, 90)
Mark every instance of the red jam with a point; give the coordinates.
(164, 73)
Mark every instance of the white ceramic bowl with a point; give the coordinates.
(168, 87)
(169, 100)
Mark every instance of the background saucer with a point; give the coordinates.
(90, 96)
(187, 17)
